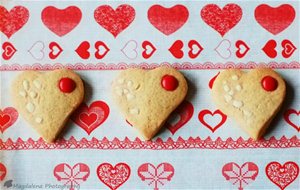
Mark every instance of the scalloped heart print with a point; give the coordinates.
(251, 98)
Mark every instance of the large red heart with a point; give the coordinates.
(287, 118)
(2, 172)
(240, 175)
(89, 118)
(274, 20)
(222, 20)
(61, 21)
(114, 21)
(7, 118)
(288, 48)
(168, 20)
(8, 50)
(14, 20)
(208, 112)
(185, 111)
(282, 176)
(270, 48)
(113, 177)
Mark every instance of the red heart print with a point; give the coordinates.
(8, 50)
(274, 20)
(113, 177)
(2, 172)
(287, 115)
(14, 20)
(7, 118)
(195, 49)
(205, 112)
(61, 21)
(240, 176)
(89, 118)
(156, 176)
(83, 50)
(55, 50)
(211, 81)
(114, 21)
(282, 175)
(100, 46)
(185, 111)
(288, 48)
(168, 20)
(176, 49)
(71, 176)
(269, 48)
(242, 48)
(222, 20)
(149, 49)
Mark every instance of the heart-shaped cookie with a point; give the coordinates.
(147, 98)
(46, 100)
(252, 98)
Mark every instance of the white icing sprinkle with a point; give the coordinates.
(231, 92)
(130, 96)
(121, 81)
(228, 98)
(129, 83)
(38, 119)
(30, 107)
(37, 84)
(134, 111)
(26, 85)
(246, 113)
(237, 103)
(226, 88)
(234, 77)
(23, 93)
(238, 87)
(33, 94)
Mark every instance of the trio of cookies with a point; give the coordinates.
(147, 97)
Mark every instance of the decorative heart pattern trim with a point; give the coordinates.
(287, 115)
(203, 113)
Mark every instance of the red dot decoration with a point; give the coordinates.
(169, 82)
(269, 83)
(66, 85)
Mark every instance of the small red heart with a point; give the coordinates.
(14, 20)
(55, 50)
(194, 45)
(8, 50)
(90, 118)
(185, 111)
(288, 48)
(149, 49)
(7, 118)
(83, 50)
(287, 115)
(176, 49)
(2, 172)
(274, 19)
(114, 21)
(168, 20)
(99, 45)
(208, 112)
(242, 48)
(269, 48)
(61, 21)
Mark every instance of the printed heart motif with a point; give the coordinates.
(288, 48)
(37, 50)
(114, 21)
(2, 172)
(242, 48)
(7, 118)
(168, 20)
(282, 175)
(223, 49)
(146, 98)
(240, 176)
(101, 49)
(89, 118)
(251, 98)
(8, 50)
(130, 49)
(185, 112)
(269, 48)
(287, 118)
(212, 127)
(55, 50)
(83, 50)
(274, 20)
(176, 49)
(113, 177)
(156, 176)
(61, 21)
(212, 80)
(149, 49)
(32, 91)
(14, 20)
(195, 49)
(222, 20)
(71, 176)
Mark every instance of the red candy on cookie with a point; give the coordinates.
(169, 83)
(66, 85)
(269, 83)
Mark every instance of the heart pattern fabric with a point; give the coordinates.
(8, 117)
